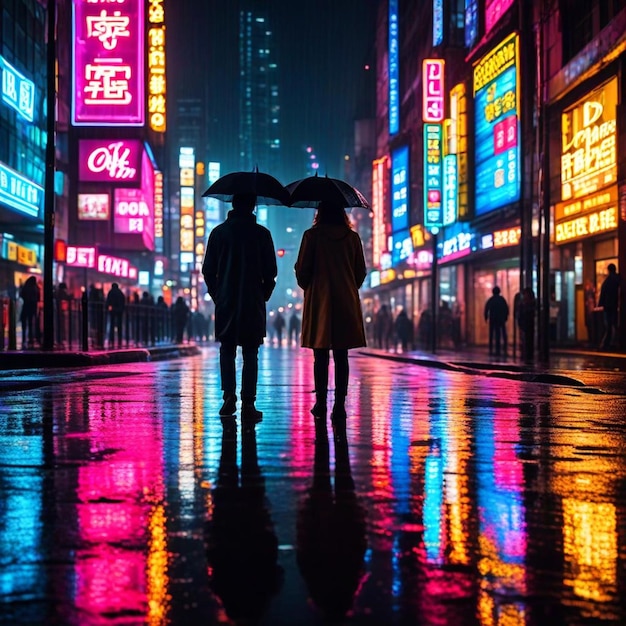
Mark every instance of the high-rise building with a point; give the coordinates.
(259, 110)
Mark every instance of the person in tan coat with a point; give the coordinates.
(331, 269)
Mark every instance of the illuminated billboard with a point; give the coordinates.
(19, 193)
(400, 189)
(589, 143)
(433, 175)
(108, 63)
(471, 23)
(94, 206)
(134, 208)
(494, 10)
(379, 239)
(497, 127)
(17, 90)
(103, 160)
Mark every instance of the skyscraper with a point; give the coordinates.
(259, 110)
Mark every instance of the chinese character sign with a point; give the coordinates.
(400, 189)
(494, 10)
(17, 90)
(433, 175)
(103, 160)
(157, 91)
(108, 62)
(497, 127)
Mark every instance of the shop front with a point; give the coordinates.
(586, 218)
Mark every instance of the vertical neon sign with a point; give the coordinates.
(378, 207)
(394, 81)
(433, 155)
(107, 60)
(433, 85)
(156, 66)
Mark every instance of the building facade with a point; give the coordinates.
(497, 165)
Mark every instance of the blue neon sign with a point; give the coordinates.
(497, 128)
(400, 189)
(17, 91)
(20, 193)
(394, 74)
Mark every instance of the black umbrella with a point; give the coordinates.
(309, 192)
(267, 189)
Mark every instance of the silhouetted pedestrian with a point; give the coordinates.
(497, 314)
(240, 273)
(30, 294)
(331, 269)
(279, 326)
(294, 328)
(181, 314)
(115, 305)
(525, 314)
(609, 301)
(383, 327)
(403, 327)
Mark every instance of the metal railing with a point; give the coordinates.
(80, 324)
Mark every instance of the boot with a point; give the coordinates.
(339, 407)
(250, 413)
(319, 409)
(230, 405)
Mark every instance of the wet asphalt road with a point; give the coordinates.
(450, 498)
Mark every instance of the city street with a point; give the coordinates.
(452, 496)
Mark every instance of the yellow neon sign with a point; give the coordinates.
(157, 88)
(586, 225)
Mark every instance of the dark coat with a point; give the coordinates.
(331, 269)
(609, 293)
(496, 310)
(240, 273)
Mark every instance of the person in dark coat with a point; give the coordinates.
(115, 305)
(294, 328)
(30, 294)
(609, 299)
(330, 269)
(404, 330)
(240, 273)
(496, 314)
(525, 315)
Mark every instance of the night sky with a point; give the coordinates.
(321, 48)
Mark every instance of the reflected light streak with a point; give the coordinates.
(156, 567)
(590, 548)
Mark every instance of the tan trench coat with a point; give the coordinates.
(331, 269)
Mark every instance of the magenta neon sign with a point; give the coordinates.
(116, 266)
(494, 10)
(108, 63)
(105, 161)
(81, 256)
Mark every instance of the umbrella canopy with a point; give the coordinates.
(309, 192)
(267, 189)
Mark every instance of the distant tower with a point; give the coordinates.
(259, 113)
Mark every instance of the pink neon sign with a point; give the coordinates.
(81, 256)
(433, 109)
(104, 160)
(115, 266)
(494, 10)
(134, 208)
(108, 63)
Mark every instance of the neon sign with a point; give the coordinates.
(400, 189)
(19, 193)
(107, 63)
(433, 90)
(438, 16)
(17, 91)
(81, 256)
(433, 162)
(94, 206)
(106, 161)
(379, 171)
(497, 127)
(589, 143)
(587, 225)
(494, 10)
(394, 72)
(156, 66)
(116, 266)
(458, 115)
(450, 188)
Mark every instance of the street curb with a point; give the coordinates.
(513, 372)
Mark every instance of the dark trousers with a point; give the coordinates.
(249, 372)
(497, 334)
(610, 323)
(115, 327)
(321, 358)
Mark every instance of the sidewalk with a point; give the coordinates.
(40, 359)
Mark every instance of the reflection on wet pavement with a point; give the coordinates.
(445, 499)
